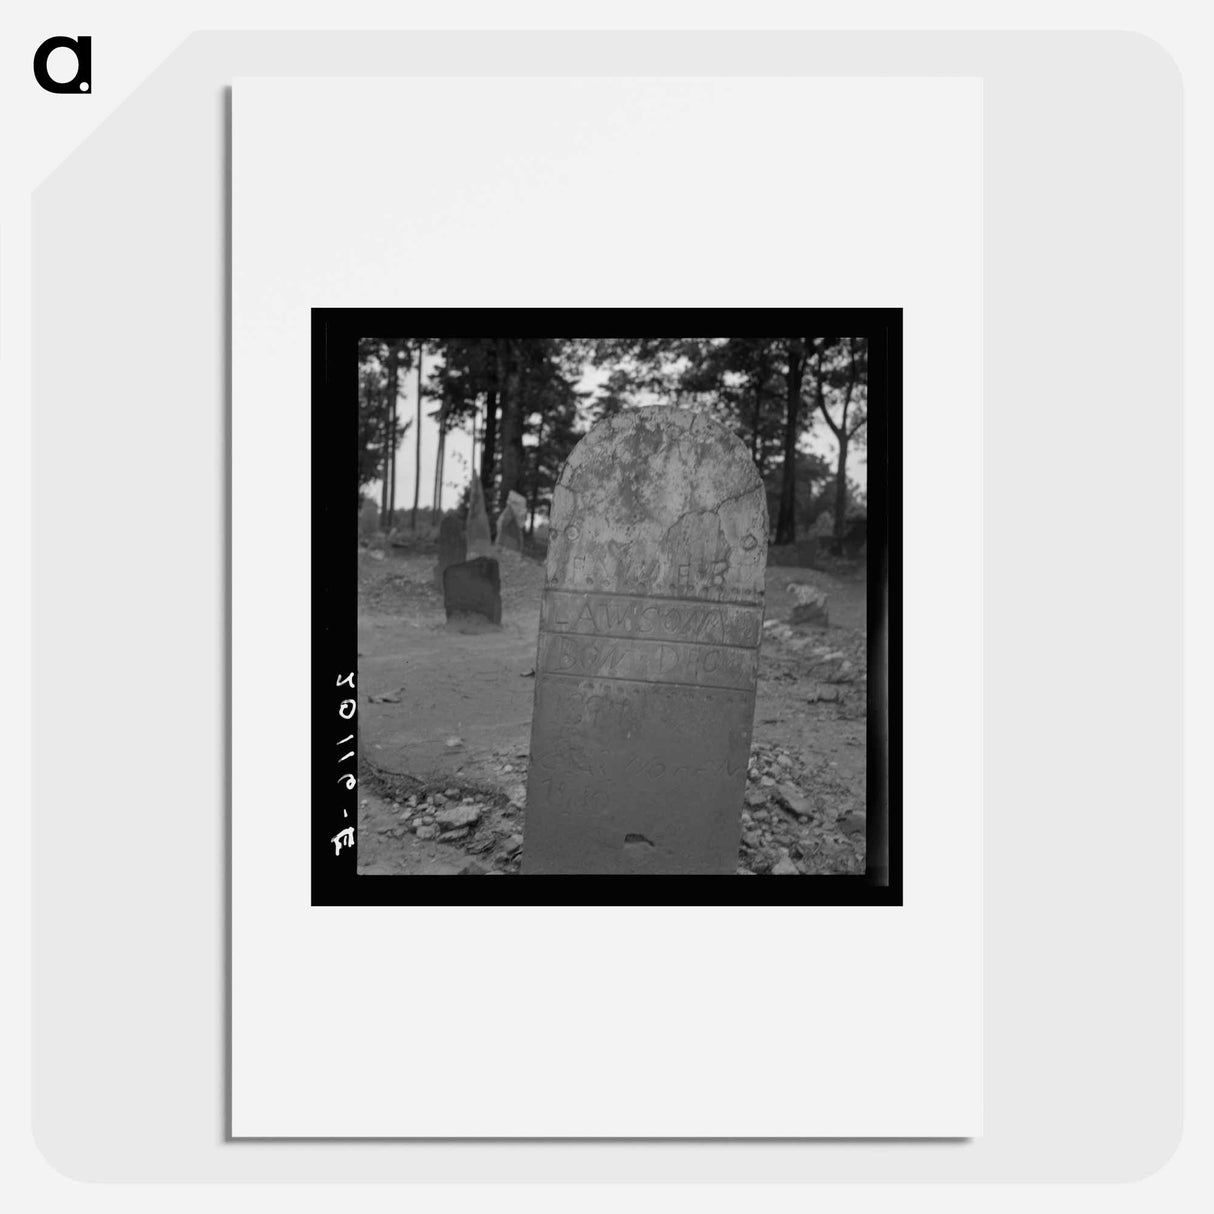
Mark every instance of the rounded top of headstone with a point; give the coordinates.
(660, 501)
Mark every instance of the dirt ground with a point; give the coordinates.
(446, 721)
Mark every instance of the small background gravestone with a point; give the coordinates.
(648, 650)
(518, 503)
(473, 589)
(479, 541)
(509, 534)
(452, 546)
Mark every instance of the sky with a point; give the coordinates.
(457, 467)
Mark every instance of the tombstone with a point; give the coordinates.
(648, 650)
(473, 588)
(518, 503)
(823, 526)
(509, 533)
(479, 541)
(452, 547)
(368, 521)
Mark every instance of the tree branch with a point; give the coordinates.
(821, 396)
(851, 381)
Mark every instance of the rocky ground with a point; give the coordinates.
(445, 720)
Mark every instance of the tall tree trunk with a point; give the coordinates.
(841, 489)
(497, 387)
(389, 453)
(754, 425)
(844, 436)
(417, 442)
(392, 465)
(439, 460)
(786, 522)
(472, 453)
(535, 478)
(512, 427)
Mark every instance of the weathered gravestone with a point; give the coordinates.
(518, 503)
(509, 534)
(452, 547)
(648, 650)
(473, 588)
(479, 540)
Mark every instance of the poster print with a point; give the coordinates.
(616, 618)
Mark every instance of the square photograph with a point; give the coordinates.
(616, 618)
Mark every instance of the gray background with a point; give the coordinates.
(1082, 617)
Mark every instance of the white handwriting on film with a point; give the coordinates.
(345, 710)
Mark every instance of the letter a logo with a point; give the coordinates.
(82, 81)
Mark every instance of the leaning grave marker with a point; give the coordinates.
(509, 535)
(648, 650)
(479, 542)
(452, 545)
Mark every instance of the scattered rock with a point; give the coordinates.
(784, 867)
(831, 666)
(777, 630)
(853, 824)
(810, 605)
(454, 743)
(794, 800)
(424, 831)
(825, 694)
(459, 815)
